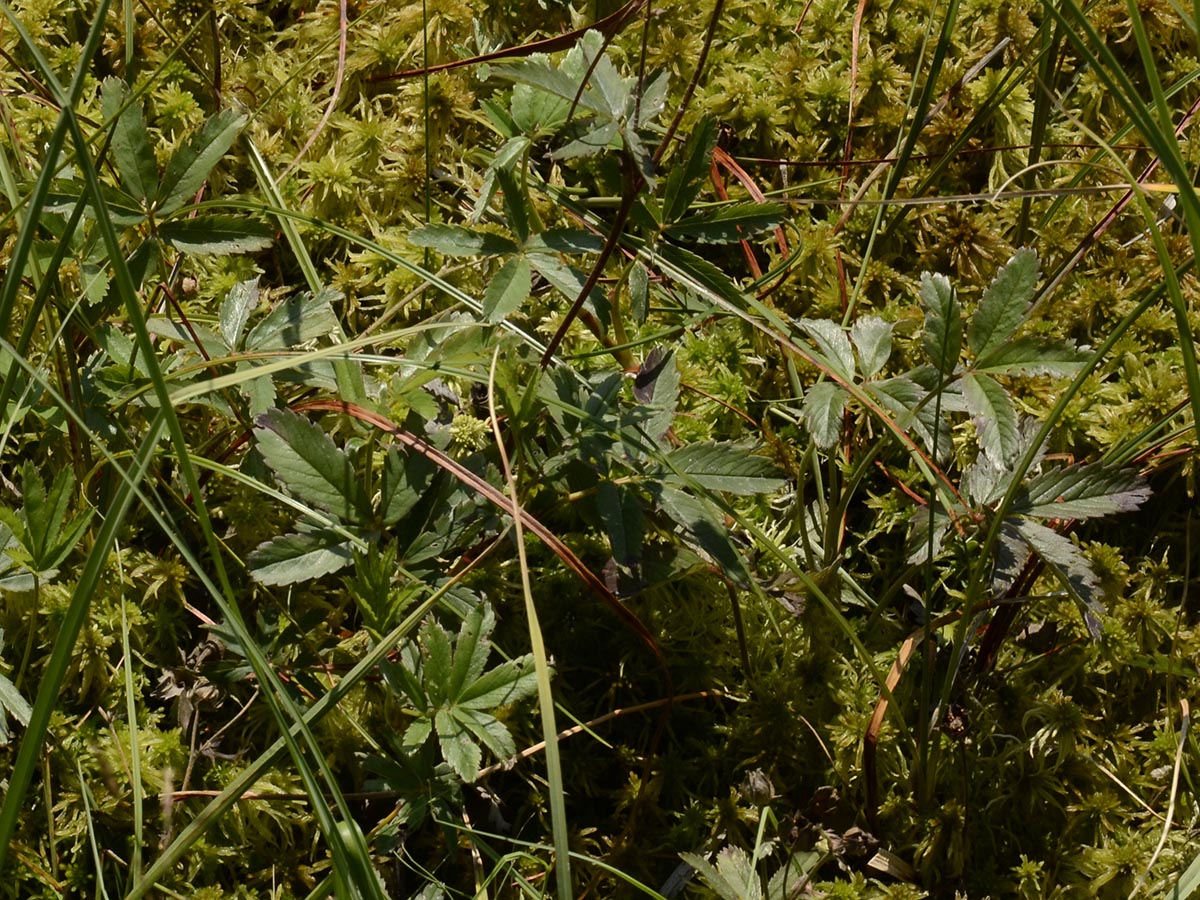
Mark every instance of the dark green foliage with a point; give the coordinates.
(856, 498)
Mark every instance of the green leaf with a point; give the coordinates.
(241, 300)
(417, 733)
(701, 271)
(536, 111)
(657, 386)
(435, 644)
(621, 512)
(508, 289)
(725, 466)
(733, 878)
(569, 281)
(488, 730)
(130, 141)
(565, 240)
(727, 223)
(471, 649)
(216, 235)
(639, 292)
(943, 322)
(292, 558)
(305, 459)
(872, 337)
(458, 749)
(123, 210)
(590, 142)
(824, 406)
(537, 73)
(195, 159)
(47, 537)
(300, 318)
(1033, 356)
(11, 703)
(995, 418)
(706, 531)
(507, 683)
(689, 169)
(1081, 492)
(1067, 562)
(907, 400)
(1004, 303)
(833, 344)
(405, 480)
(456, 240)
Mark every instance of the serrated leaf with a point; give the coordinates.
(508, 289)
(1033, 356)
(824, 404)
(569, 281)
(733, 878)
(293, 558)
(995, 418)
(872, 337)
(458, 749)
(922, 525)
(907, 401)
(535, 110)
(305, 459)
(405, 480)
(706, 530)
(203, 235)
(689, 169)
(942, 338)
(1004, 303)
(537, 73)
(122, 209)
(1069, 564)
(1081, 492)
(417, 733)
(435, 644)
(130, 141)
(471, 649)
(701, 271)
(191, 163)
(593, 140)
(300, 318)
(639, 293)
(12, 703)
(241, 300)
(726, 224)
(654, 97)
(657, 386)
(488, 730)
(621, 512)
(565, 240)
(833, 344)
(507, 683)
(456, 240)
(724, 466)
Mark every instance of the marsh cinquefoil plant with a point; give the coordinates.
(784, 505)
